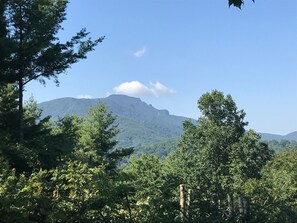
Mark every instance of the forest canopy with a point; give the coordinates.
(72, 171)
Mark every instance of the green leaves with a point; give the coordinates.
(217, 157)
(31, 48)
(97, 142)
(155, 195)
(67, 171)
(273, 197)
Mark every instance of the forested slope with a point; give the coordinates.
(140, 124)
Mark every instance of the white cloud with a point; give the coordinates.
(136, 88)
(140, 53)
(84, 96)
(133, 88)
(158, 87)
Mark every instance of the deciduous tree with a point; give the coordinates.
(216, 157)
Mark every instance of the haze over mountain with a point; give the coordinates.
(140, 124)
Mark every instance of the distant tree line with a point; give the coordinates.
(280, 145)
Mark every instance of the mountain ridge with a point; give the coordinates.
(278, 137)
(140, 124)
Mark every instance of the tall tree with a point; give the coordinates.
(215, 157)
(36, 52)
(97, 139)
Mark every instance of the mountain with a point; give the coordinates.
(140, 124)
(291, 136)
(268, 136)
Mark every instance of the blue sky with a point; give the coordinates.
(170, 52)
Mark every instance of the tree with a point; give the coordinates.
(19, 156)
(45, 143)
(36, 52)
(273, 197)
(67, 172)
(216, 157)
(5, 43)
(96, 141)
(155, 190)
(8, 110)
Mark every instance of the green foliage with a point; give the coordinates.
(8, 110)
(58, 185)
(34, 51)
(217, 157)
(68, 170)
(97, 139)
(155, 196)
(140, 125)
(248, 156)
(76, 185)
(161, 150)
(33, 26)
(273, 197)
(280, 145)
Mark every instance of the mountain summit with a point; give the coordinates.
(140, 124)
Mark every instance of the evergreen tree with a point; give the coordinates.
(36, 52)
(97, 139)
(8, 110)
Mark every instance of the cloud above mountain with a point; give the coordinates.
(136, 88)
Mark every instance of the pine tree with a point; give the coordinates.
(35, 52)
(97, 143)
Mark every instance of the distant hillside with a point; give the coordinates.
(140, 124)
(268, 136)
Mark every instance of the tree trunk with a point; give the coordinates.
(21, 111)
(188, 204)
(242, 205)
(21, 83)
(129, 208)
(182, 202)
(230, 205)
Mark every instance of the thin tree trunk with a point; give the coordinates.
(21, 84)
(188, 204)
(21, 111)
(182, 202)
(242, 205)
(129, 208)
(230, 205)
